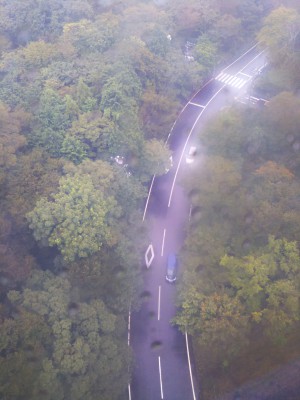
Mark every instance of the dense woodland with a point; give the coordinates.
(239, 296)
(88, 92)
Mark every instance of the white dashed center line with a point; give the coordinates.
(163, 243)
(158, 307)
(160, 380)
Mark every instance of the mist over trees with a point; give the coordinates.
(89, 90)
(239, 292)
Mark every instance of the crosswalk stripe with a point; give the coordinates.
(224, 77)
(231, 80)
(221, 76)
(234, 81)
(241, 84)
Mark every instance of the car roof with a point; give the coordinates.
(171, 259)
(172, 256)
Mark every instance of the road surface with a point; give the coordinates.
(162, 369)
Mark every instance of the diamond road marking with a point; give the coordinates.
(149, 260)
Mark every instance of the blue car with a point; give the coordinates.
(171, 268)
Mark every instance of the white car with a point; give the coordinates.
(190, 158)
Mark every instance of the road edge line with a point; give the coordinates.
(190, 366)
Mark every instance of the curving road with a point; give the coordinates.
(162, 369)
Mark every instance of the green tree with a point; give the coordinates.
(267, 281)
(280, 35)
(47, 383)
(149, 68)
(205, 52)
(50, 124)
(51, 112)
(87, 36)
(279, 32)
(84, 97)
(75, 219)
(120, 92)
(282, 128)
(37, 54)
(72, 109)
(11, 137)
(157, 113)
(73, 149)
(96, 133)
(225, 135)
(182, 75)
(25, 22)
(155, 159)
(275, 208)
(219, 181)
(35, 174)
(157, 41)
(217, 322)
(228, 31)
(196, 16)
(23, 344)
(87, 354)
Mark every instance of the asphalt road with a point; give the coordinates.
(161, 366)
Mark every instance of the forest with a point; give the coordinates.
(239, 292)
(89, 90)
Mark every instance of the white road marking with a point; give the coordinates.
(196, 104)
(234, 81)
(158, 308)
(149, 261)
(186, 142)
(227, 79)
(243, 73)
(240, 84)
(129, 323)
(129, 320)
(160, 379)
(221, 76)
(228, 66)
(181, 156)
(231, 80)
(190, 367)
(163, 243)
(240, 72)
(184, 109)
(258, 55)
(146, 206)
(190, 212)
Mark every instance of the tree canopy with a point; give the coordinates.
(89, 90)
